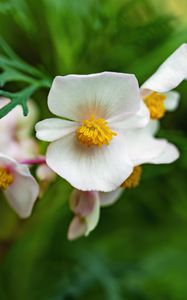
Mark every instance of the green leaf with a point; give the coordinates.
(21, 97)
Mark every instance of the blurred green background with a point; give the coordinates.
(139, 249)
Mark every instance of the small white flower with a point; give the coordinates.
(18, 185)
(16, 132)
(86, 207)
(149, 150)
(90, 148)
(158, 92)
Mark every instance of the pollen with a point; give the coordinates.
(95, 132)
(6, 178)
(134, 179)
(155, 104)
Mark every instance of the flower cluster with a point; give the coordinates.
(18, 151)
(105, 132)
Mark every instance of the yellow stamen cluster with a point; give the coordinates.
(155, 104)
(134, 179)
(95, 132)
(6, 178)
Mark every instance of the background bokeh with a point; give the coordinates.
(139, 249)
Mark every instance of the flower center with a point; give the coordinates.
(6, 178)
(95, 132)
(134, 179)
(155, 104)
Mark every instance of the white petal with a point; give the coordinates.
(23, 192)
(22, 169)
(14, 165)
(169, 154)
(152, 128)
(77, 228)
(138, 120)
(171, 73)
(93, 218)
(6, 160)
(172, 100)
(110, 198)
(90, 168)
(143, 148)
(86, 206)
(105, 95)
(52, 129)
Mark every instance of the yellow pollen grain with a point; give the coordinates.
(95, 132)
(6, 178)
(155, 104)
(134, 179)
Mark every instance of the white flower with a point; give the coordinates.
(84, 99)
(147, 149)
(158, 92)
(17, 142)
(90, 148)
(18, 185)
(86, 208)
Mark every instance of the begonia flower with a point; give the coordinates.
(18, 185)
(16, 139)
(157, 91)
(147, 149)
(81, 99)
(90, 149)
(86, 208)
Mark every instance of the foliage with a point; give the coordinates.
(15, 69)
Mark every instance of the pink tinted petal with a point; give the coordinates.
(24, 190)
(77, 228)
(7, 161)
(82, 202)
(44, 173)
(22, 194)
(86, 206)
